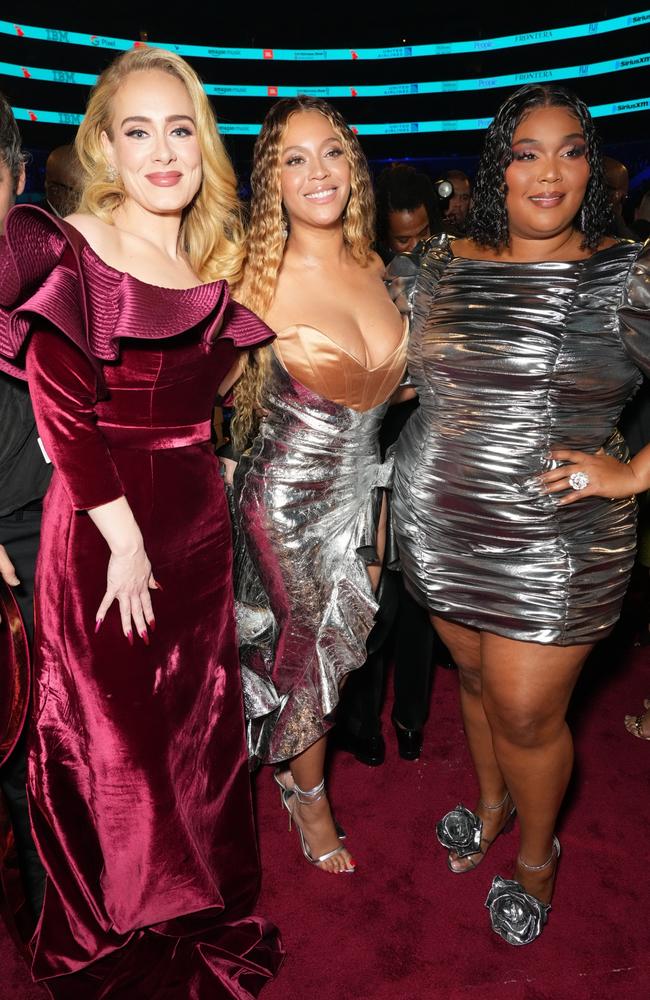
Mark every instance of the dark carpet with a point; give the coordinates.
(404, 928)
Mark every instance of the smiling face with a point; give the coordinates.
(153, 144)
(314, 173)
(549, 173)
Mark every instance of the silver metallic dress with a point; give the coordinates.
(308, 495)
(510, 360)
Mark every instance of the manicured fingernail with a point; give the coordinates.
(129, 636)
(152, 624)
(159, 586)
(98, 623)
(144, 635)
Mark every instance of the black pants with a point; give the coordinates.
(404, 632)
(20, 533)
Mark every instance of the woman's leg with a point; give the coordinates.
(526, 689)
(464, 644)
(314, 816)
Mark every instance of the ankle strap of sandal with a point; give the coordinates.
(555, 852)
(498, 805)
(306, 797)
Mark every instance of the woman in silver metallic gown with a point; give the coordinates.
(310, 488)
(514, 506)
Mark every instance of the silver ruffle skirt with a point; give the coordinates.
(308, 496)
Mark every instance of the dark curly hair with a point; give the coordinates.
(400, 188)
(11, 153)
(488, 218)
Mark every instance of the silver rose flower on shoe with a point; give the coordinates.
(460, 831)
(516, 916)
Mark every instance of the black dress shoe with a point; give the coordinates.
(409, 742)
(370, 750)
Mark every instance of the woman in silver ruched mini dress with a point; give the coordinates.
(310, 489)
(527, 340)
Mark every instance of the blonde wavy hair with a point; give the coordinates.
(212, 229)
(266, 235)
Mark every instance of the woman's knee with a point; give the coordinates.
(524, 725)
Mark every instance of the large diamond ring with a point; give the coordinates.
(578, 480)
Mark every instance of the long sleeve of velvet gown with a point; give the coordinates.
(63, 388)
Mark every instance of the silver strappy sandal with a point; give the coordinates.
(305, 798)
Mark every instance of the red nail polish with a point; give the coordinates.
(152, 625)
(159, 586)
(129, 636)
(98, 623)
(144, 635)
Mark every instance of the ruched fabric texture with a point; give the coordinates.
(509, 361)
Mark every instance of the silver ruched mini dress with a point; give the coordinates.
(510, 360)
(308, 496)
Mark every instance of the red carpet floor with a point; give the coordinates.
(404, 928)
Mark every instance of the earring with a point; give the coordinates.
(583, 219)
(285, 231)
(111, 173)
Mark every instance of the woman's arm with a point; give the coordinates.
(62, 385)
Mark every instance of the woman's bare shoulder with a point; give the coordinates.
(376, 264)
(99, 234)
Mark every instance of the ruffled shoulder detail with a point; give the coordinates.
(47, 269)
(411, 278)
(634, 310)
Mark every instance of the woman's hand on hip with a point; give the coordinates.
(587, 475)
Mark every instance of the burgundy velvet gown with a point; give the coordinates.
(138, 782)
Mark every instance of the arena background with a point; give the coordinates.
(530, 54)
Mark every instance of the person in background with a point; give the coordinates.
(24, 478)
(407, 213)
(617, 179)
(64, 179)
(642, 217)
(407, 210)
(455, 215)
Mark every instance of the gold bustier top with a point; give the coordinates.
(323, 366)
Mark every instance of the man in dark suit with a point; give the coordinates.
(24, 478)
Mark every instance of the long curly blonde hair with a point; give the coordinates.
(266, 234)
(212, 229)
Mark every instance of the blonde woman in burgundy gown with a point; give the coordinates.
(139, 790)
(311, 487)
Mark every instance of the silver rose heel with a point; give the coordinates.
(517, 916)
(461, 831)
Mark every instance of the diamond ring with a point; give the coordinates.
(578, 480)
